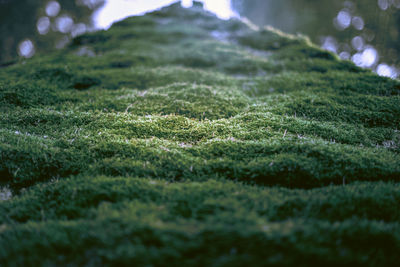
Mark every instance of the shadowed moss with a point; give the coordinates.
(25, 95)
(122, 240)
(85, 197)
(108, 216)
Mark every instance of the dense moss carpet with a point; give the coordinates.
(179, 139)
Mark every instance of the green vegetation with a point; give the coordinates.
(176, 138)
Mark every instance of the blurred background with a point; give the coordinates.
(27, 26)
(364, 31)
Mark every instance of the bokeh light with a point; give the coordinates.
(26, 48)
(43, 25)
(366, 58)
(388, 71)
(358, 43)
(358, 23)
(329, 43)
(78, 29)
(342, 20)
(64, 24)
(383, 4)
(53, 8)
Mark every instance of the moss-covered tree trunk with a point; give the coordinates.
(179, 139)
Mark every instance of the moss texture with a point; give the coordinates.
(182, 139)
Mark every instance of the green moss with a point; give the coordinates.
(192, 101)
(372, 111)
(111, 215)
(144, 78)
(175, 148)
(85, 198)
(23, 94)
(122, 241)
(176, 137)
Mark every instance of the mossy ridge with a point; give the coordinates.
(122, 240)
(85, 197)
(176, 148)
(257, 123)
(105, 214)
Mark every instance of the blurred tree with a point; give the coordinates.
(41, 23)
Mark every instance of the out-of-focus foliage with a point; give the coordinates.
(19, 22)
(376, 22)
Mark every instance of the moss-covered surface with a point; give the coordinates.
(179, 139)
